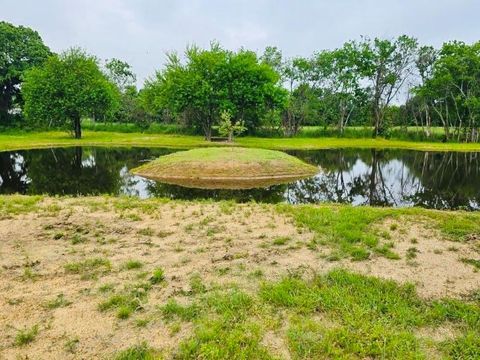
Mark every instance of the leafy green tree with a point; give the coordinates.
(386, 64)
(21, 48)
(211, 81)
(67, 88)
(453, 89)
(120, 73)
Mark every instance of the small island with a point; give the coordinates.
(226, 168)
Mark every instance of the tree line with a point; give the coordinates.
(374, 83)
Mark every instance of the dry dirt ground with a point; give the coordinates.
(217, 242)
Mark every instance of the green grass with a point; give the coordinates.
(158, 276)
(132, 265)
(138, 352)
(58, 302)
(225, 162)
(18, 204)
(34, 140)
(89, 268)
(350, 231)
(367, 318)
(26, 336)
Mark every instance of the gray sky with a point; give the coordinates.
(141, 31)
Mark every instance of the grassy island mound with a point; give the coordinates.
(226, 168)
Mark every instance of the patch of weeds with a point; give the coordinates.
(216, 340)
(146, 232)
(373, 318)
(130, 300)
(196, 285)
(131, 216)
(124, 312)
(411, 253)
(58, 236)
(89, 268)
(58, 302)
(18, 204)
(386, 251)
(188, 228)
(452, 248)
(227, 207)
(138, 352)
(348, 230)
(26, 336)
(172, 309)
(158, 276)
(77, 239)
(224, 330)
(393, 227)
(174, 328)
(463, 347)
(457, 226)
(71, 345)
(106, 288)
(163, 234)
(29, 274)
(222, 271)
(141, 323)
(256, 274)
(474, 262)
(282, 240)
(132, 265)
(14, 301)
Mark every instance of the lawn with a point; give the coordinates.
(12, 141)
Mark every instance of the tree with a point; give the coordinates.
(212, 81)
(386, 64)
(120, 73)
(228, 127)
(21, 48)
(454, 89)
(66, 88)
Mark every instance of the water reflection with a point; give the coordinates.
(359, 177)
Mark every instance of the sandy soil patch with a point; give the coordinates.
(222, 243)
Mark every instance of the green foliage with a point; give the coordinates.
(67, 88)
(21, 48)
(212, 81)
(90, 268)
(138, 352)
(228, 127)
(366, 317)
(451, 89)
(26, 336)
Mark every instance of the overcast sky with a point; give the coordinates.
(141, 31)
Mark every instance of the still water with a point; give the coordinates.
(359, 177)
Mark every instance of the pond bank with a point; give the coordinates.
(97, 138)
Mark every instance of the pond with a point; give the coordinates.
(396, 178)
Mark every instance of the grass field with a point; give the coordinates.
(12, 141)
(123, 278)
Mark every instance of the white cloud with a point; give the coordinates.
(141, 31)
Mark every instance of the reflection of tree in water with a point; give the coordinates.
(361, 177)
(391, 178)
(272, 194)
(73, 171)
(13, 174)
(449, 180)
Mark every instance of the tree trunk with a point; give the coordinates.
(77, 127)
